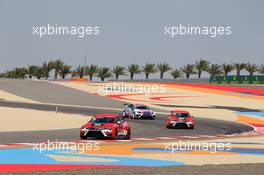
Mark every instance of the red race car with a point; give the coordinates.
(110, 126)
(180, 118)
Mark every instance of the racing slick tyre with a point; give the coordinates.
(124, 114)
(128, 135)
(168, 127)
(83, 137)
(192, 127)
(134, 116)
(115, 137)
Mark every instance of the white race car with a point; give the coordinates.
(138, 111)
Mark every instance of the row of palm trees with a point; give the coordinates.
(61, 69)
(42, 71)
(217, 69)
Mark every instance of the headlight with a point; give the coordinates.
(173, 121)
(85, 129)
(107, 129)
(139, 112)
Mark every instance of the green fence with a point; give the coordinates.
(231, 79)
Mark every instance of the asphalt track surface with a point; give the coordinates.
(50, 93)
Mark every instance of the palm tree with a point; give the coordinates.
(239, 67)
(73, 74)
(10, 74)
(79, 71)
(23, 72)
(163, 67)
(65, 70)
(2, 75)
(261, 69)
(16, 73)
(119, 70)
(188, 69)
(133, 69)
(227, 68)
(47, 67)
(104, 73)
(31, 70)
(251, 68)
(57, 65)
(19, 73)
(214, 70)
(176, 73)
(91, 70)
(201, 65)
(149, 69)
(39, 72)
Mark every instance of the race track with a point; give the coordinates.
(140, 128)
(77, 102)
(29, 119)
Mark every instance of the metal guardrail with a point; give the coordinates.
(231, 79)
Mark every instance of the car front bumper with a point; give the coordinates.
(145, 115)
(175, 124)
(98, 133)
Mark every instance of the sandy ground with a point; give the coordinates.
(15, 119)
(10, 97)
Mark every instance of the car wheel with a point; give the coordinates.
(192, 127)
(128, 134)
(115, 137)
(153, 118)
(83, 137)
(134, 116)
(124, 114)
(168, 127)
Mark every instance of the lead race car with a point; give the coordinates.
(110, 126)
(180, 118)
(138, 111)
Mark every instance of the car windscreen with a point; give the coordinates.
(103, 120)
(143, 107)
(183, 115)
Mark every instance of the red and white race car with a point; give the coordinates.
(179, 118)
(110, 126)
(138, 111)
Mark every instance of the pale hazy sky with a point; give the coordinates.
(131, 31)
